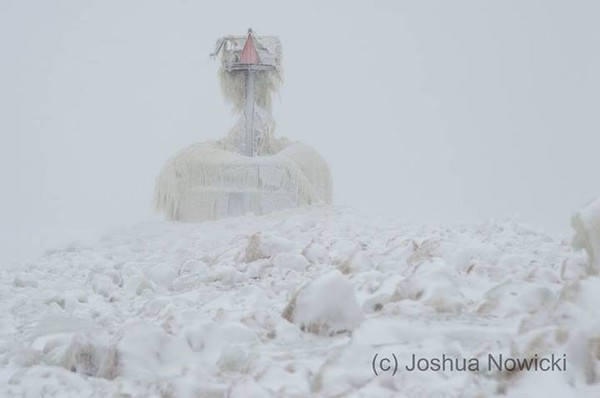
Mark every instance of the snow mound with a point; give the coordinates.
(326, 305)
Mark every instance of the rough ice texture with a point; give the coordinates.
(109, 320)
(206, 182)
(586, 223)
(233, 86)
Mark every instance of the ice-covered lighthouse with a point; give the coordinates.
(249, 62)
(250, 170)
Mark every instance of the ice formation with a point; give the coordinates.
(205, 310)
(586, 223)
(250, 170)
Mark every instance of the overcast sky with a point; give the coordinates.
(434, 111)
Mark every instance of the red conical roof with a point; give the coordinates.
(249, 53)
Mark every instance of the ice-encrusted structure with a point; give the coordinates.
(206, 181)
(250, 170)
(586, 223)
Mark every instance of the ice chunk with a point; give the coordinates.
(586, 223)
(218, 343)
(290, 260)
(326, 305)
(143, 350)
(266, 245)
(84, 354)
(162, 274)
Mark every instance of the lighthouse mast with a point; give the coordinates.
(247, 61)
(250, 58)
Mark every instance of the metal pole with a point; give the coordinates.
(248, 141)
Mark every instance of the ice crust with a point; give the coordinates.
(193, 310)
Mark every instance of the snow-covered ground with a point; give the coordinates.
(298, 303)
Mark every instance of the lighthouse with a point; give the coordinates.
(250, 169)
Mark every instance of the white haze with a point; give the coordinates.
(432, 111)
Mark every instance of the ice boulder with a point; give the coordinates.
(586, 223)
(84, 354)
(143, 350)
(326, 305)
(222, 343)
(266, 245)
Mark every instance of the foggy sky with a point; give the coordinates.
(432, 111)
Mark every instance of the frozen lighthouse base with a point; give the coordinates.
(250, 170)
(206, 181)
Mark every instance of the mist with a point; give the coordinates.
(433, 111)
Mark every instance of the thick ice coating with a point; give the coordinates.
(206, 181)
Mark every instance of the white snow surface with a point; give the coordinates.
(204, 310)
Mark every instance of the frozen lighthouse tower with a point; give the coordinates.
(250, 170)
(249, 62)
